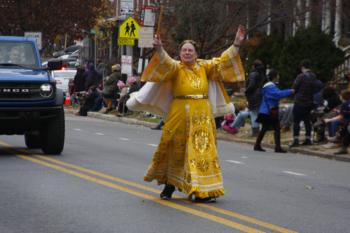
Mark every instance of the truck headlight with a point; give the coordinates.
(46, 90)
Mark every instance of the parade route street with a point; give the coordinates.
(96, 186)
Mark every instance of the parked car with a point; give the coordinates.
(62, 78)
(67, 51)
(73, 56)
(69, 63)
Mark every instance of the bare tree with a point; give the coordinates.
(213, 23)
(50, 17)
(326, 16)
(337, 24)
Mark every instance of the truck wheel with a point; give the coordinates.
(32, 140)
(52, 134)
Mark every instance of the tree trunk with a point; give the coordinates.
(248, 17)
(307, 14)
(337, 24)
(326, 16)
(268, 26)
(294, 26)
(298, 15)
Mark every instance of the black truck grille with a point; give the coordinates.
(20, 91)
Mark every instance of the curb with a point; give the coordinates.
(220, 136)
(300, 150)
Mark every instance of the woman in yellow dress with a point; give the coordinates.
(186, 156)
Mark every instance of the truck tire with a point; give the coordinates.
(52, 134)
(32, 140)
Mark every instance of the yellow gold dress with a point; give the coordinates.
(186, 156)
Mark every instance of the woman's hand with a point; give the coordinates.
(157, 43)
(240, 36)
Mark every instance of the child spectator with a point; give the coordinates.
(269, 110)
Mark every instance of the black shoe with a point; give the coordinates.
(259, 148)
(167, 192)
(307, 142)
(205, 200)
(294, 144)
(280, 150)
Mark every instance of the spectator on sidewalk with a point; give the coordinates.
(226, 123)
(110, 88)
(306, 85)
(228, 120)
(344, 117)
(331, 109)
(239, 121)
(78, 83)
(254, 83)
(269, 111)
(91, 82)
(159, 126)
(101, 68)
(98, 101)
(125, 91)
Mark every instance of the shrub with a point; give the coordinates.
(312, 44)
(309, 43)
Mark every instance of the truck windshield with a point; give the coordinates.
(18, 53)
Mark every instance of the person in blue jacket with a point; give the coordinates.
(268, 111)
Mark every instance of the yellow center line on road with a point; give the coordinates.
(149, 189)
(185, 209)
(38, 159)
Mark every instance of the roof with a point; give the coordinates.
(16, 38)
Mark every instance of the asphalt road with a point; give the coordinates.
(96, 186)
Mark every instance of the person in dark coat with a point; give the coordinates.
(254, 83)
(110, 88)
(92, 79)
(269, 111)
(306, 85)
(79, 82)
(330, 109)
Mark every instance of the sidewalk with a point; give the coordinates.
(241, 137)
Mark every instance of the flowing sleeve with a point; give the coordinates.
(228, 67)
(161, 68)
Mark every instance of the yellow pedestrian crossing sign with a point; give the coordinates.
(129, 29)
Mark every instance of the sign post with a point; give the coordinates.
(128, 32)
(126, 8)
(146, 37)
(148, 15)
(37, 36)
(127, 65)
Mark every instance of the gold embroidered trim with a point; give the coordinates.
(191, 97)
